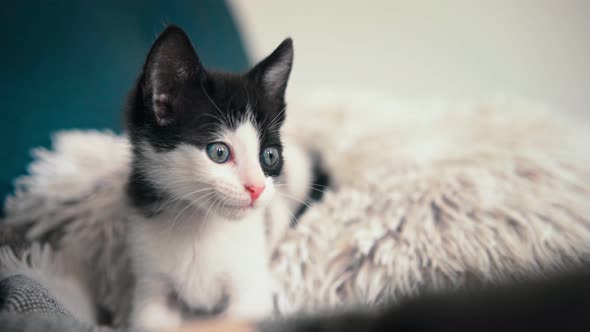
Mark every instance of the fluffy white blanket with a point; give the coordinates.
(425, 197)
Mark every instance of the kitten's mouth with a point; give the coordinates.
(235, 211)
(238, 206)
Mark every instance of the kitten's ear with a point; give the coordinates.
(272, 73)
(171, 62)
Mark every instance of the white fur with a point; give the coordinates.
(209, 239)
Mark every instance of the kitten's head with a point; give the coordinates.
(210, 139)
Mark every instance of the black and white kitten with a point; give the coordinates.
(207, 153)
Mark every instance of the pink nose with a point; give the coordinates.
(254, 191)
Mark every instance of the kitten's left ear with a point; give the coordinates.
(272, 73)
(171, 63)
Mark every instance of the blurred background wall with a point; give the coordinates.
(459, 49)
(69, 64)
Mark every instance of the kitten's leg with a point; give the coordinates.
(151, 310)
(251, 301)
(278, 219)
(250, 295)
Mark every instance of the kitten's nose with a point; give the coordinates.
(254, 191)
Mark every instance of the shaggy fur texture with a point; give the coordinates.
(436, 196)
(425, 197)
(74, 200)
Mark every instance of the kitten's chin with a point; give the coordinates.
(229, 209)
(236, 213)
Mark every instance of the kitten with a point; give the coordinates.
(207, 155)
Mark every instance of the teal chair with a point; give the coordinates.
(69, 64)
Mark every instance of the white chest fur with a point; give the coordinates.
(202, 262)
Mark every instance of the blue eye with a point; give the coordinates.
(270, 156)
(218, 152)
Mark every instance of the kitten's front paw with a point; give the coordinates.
(156, 317)
(254, 308)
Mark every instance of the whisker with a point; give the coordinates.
(179, 199)
(311, 187)
(190, 204)
(208, 97)
(172, 224)
(272, 123)
(295, 199)
(294, 220)
(195, 192)
(219, 205)
(209, 209)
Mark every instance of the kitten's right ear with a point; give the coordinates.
(171, 62)
(272, 73)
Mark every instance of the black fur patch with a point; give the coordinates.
(320, 183)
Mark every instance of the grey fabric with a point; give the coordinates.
(21, 294)
(26, 306)
(46, 322)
